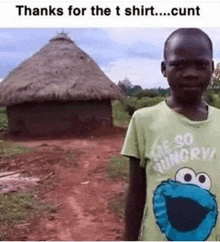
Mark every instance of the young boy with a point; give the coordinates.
(174, 151)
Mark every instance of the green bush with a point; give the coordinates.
(120, 116)
(123, 112)
(118, 111)
(212, 99)
(3, 119)
(133, 103)
(215, 100)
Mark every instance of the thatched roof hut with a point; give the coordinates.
(60, 83)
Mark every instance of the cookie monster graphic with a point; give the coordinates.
(185, 209)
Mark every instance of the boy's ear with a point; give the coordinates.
(163, 68)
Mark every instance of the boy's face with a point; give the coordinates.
(188, 67)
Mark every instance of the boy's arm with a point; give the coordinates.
(135, 200)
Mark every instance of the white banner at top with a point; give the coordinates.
(103, 14)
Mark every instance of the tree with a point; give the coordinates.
(137, 87)
(125, 85)
(215, 80)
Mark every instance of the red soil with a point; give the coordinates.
(82, 191)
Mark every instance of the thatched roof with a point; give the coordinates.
(59, 71)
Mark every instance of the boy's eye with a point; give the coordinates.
(178, 65)
(201, 65)
(182, 65)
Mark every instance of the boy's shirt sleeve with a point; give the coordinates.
(134, 140)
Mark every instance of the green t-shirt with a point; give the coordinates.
(182, 160)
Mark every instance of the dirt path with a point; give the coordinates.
(83, 193)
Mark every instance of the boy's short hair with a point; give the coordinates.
(186, 31)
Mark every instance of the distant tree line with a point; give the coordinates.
(137, 97)
(136, 90)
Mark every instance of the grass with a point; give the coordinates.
(16, 208)
(9, 150)
(118, 168)
(19, 209)
(118, 205)
(72, 158)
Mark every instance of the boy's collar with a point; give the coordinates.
(207, 107)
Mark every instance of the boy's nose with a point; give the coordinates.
(190, 72)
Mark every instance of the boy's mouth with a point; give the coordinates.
(192, 86)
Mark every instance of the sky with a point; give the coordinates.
(133, 53)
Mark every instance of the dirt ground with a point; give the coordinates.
(78, 186)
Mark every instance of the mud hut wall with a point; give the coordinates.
(57, 117)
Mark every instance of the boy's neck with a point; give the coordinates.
(195, 110)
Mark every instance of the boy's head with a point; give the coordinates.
(188, 32)
(188, 63)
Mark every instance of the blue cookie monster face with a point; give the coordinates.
(184, 208)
